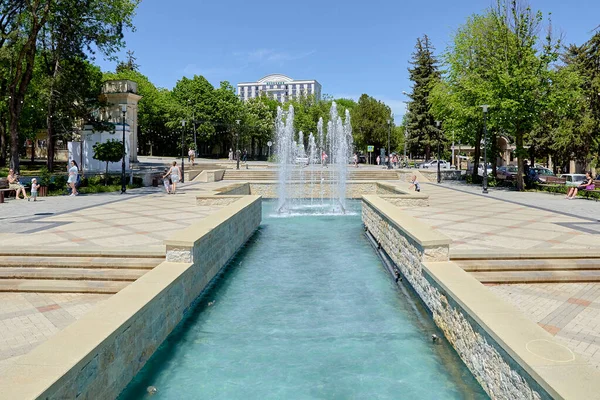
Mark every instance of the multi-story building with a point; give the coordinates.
(279, 87)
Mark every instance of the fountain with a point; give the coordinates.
(292, 157)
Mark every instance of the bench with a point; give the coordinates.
(7, 193)
(596, 191)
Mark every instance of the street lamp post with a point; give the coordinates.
(182, 155)
(439, 171)
(405, 139)
(123, 185)
(237, 143)
(389, 164)
(485, 178)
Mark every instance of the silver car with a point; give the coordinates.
(573, 179)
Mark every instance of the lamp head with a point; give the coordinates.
(123, 108)
(183, 122)
(485, 108)
(237, 121)
(438, 124)
(388, 121)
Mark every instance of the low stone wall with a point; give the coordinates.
(510, 356)
(235, 189)
(98, 355)
(221, 200)
(408, 200)
(446, 174)
(354, 190)
(210, 175)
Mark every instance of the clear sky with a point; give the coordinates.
(351, 47)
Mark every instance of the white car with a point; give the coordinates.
(434, 163)
(480, 169)
(573, 179)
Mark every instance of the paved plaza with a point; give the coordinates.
(506, 222)
(509, 221)
(139, 220)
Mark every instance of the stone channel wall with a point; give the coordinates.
(410, 246)
(97, 356)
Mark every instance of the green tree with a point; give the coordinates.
(420, 121)
(109, 151)
(370, 124)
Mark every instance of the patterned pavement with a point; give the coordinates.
(141, 219)
(568, 311)
(477, 222)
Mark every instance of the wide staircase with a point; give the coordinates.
(94, 272)
(355, 174)
(537, 269)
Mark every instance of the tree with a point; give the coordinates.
(369, 123)
(109, 151)
(420, 121)
(129, 64)
(74, 29)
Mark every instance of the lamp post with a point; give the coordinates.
(438, 124)
(389, 163)
(405, 139)
(485, 181)
(123, 185)
(182, 155)
(237, 143)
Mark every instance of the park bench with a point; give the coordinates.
(596, 191)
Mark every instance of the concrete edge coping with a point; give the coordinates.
(562, 373)
(221, 196)
(404, 196)
(512, 254)
(420, 232)
(273, 182)
(33, 374)
(84, 251)
(187, 237)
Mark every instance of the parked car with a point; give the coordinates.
(544, 175)
(573, 179)
(507, 172)
(434, 163)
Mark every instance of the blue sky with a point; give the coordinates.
(350, 47)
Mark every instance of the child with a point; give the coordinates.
(34, 189)
(414, 183)
(166, 181)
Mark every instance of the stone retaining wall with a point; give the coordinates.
(422, 256)
(98, 355)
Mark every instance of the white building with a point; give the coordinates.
(279, 87)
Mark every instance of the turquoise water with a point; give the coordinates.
(306, 310)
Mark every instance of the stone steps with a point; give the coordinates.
(529, 265)
(61, 286)
(79, 262)
(558, 276)
(81, 271)
(249, 175)
(82, 274)
(534, 267)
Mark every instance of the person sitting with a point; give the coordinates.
(414, 184)
(588, 184)
(13, 184)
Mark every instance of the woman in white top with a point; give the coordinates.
(175, 173)
(72, 181)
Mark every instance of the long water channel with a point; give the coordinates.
(306, 310)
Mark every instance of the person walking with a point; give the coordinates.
(191, 156)
(378, 160)
(355, 160)
(324, 159)
(588, 184)
(230, 154)
(13, 184)
(245, 156)
(175, 173)
(72, 180)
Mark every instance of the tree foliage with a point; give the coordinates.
(110, 151)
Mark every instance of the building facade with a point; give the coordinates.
(279, 87)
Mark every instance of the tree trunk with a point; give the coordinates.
(14, 137)
(520, 157)
(494, 153)
(252, 148)
(427, 152)
(49, 121)
(476, 156)
(2, 142)
(106, 175)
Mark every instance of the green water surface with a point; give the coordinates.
(306, 310)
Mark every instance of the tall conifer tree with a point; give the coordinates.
(422, 133)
